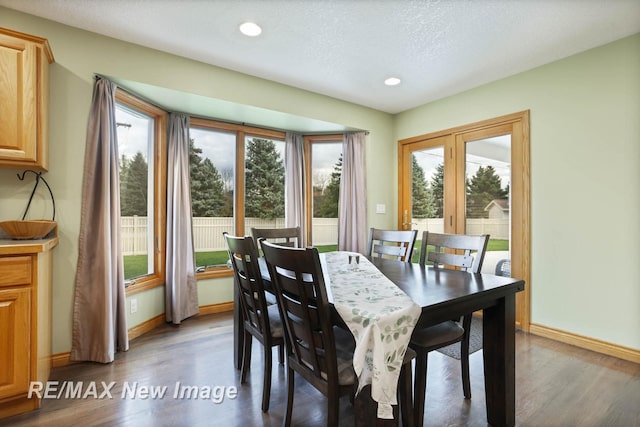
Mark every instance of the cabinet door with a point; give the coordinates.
(21, 93)
(15, 349)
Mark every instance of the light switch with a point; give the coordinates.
(381, 208)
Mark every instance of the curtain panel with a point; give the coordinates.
(294, 204)
(181, 290)
(99, 321)
(352, 204)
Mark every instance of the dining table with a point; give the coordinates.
(440, 294)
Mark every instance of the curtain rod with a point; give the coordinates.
(196, 116)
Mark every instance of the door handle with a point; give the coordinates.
(405, 220)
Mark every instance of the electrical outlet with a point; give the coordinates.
(133, 305)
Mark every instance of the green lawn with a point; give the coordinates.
(136, 265)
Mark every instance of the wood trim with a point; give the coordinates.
(234, 127)
(508, 118)
(222, 307)
(615, 350)
(453, 139)
(160, 120)
(146, 326)
(521, 216)
(31, 38)
(63, 359)
(308, 190)
(309, 141)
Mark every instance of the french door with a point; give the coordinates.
(473, 179)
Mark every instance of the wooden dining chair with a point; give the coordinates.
(319, 351)
(397, 244)
(290, 236)
(454, 251)
(260, 320)
(310, 338)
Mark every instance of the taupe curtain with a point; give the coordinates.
(294, 206)
(352, 205)
(181, 290)
(99, 320)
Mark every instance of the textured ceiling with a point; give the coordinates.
(346, 48)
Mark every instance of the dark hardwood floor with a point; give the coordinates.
(557, 385)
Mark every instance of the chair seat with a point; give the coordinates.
(437, 336)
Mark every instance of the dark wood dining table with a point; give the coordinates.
(449, 294)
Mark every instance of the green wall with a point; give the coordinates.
(585, 165)
(585, 183)
(79, 55)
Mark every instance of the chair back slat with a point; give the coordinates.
(302, 299)
(289, 237)
(395, 251)
(462, 251)
(396, 244)
(445, 258)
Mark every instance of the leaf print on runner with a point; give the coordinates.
(381, 318)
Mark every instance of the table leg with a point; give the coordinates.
(238, 329)
(499, 361)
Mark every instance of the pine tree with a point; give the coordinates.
(264, 180)
(422, 201)
(124, 170)
(318, 200)
(134, 176)
(208, 198)
(437, 190)
(329, 206)
(482, 188)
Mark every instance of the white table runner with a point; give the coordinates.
(380, 316)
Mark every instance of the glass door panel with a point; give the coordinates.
(488, 196)
(485, 191)
(427, 194)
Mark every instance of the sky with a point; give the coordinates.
(429, 159)
(218, 146)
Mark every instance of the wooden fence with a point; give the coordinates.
(207, 232)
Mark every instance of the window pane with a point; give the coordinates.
(264, 183)
(135, 145)
(212, 167)
(326, 168)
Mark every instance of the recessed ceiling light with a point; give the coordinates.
(250, 29)
(392, 81)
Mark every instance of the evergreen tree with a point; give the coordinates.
(423, 204)
(482, 188)
(208, 198)
(329, 206)
(264, 180)
(318, 200)
(124, 170)
(133, 187)
(437, 190)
